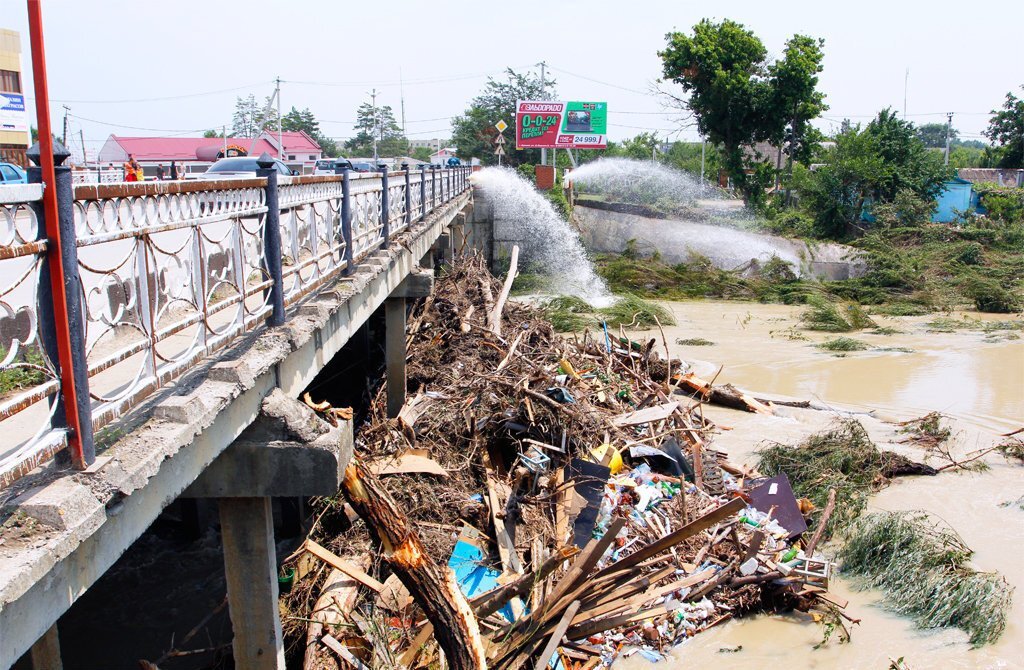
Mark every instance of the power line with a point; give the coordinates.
(158, 99)
(396, 82)
(154, 130)
(598, 81)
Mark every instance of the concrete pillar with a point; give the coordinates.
(45, 653)
(394, 353)
(250, 566)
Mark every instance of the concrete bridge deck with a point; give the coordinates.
(71, 525)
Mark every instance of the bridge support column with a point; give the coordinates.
(394, 353)
(250, 566)
(419, 284)
(287, 452)
(45, 653)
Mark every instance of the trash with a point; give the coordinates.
(408, 463)
(775, 496)
(518, 539)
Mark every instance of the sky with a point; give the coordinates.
(175, 67)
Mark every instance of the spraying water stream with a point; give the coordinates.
(545, 239)
(700, 219)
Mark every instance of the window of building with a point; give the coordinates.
(312, 158)
(10, 81)
(292, 157)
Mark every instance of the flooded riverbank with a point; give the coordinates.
(974, 377)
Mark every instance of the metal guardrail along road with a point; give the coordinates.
(166, 274)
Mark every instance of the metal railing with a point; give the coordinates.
(164, 274)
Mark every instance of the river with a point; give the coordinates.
(975, 378)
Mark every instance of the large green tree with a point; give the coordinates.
(474, 132)
(739, 98)
(377, 123)
(933, 135)
(868, 168)
(1007, 128)
(306, 122)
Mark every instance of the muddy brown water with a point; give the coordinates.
(975, 379)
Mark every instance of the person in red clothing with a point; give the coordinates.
(132, 169)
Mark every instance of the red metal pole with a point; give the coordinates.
(60, 298)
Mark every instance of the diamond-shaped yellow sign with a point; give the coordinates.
(501, 126)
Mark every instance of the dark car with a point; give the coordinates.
(363, 167)
(240, 167)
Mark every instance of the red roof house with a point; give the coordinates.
(299, 148)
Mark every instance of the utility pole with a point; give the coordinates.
(703, 142)
(81, 138)
(64, 137)
(401, 93)
(949, 127)
(544, 95)
(280, 135)
(906, 81)
(376, 124)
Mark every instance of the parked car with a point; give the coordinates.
(240, 167)
(331, 165)
(12, 174)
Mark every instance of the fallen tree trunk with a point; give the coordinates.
(433, 587)
(725, 395)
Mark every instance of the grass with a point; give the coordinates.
(17, 377)
(923, 567)
(694, 342)
(570, 314)
(843, 344)
(834, 318)
(630, 310)
(886, 330)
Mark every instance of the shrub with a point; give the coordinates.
(989, 296)
(825, 316)
(842, 344)
(923, 567)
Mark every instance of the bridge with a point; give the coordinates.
(156, 340)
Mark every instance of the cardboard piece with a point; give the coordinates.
(411, 462)
(776, 492)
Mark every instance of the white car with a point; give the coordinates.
(331, 165)
(240, 167)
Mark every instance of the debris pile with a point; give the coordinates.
(541, 501)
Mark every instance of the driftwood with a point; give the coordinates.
(725, 395)
(338, 596)
(494, 318)
(433, 587)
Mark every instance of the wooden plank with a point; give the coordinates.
(342, 651)
(645, 415)
(556, 637)
(697, 525)
(410, 654)
(600, 625)
(335, 561)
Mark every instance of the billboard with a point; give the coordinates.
(12, 112)
(552, 124)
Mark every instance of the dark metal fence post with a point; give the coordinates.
(346, 222)
(423, 191)
(433, 187)
(408, 198)
(272, 252)
(385, 206)
(74, 311)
